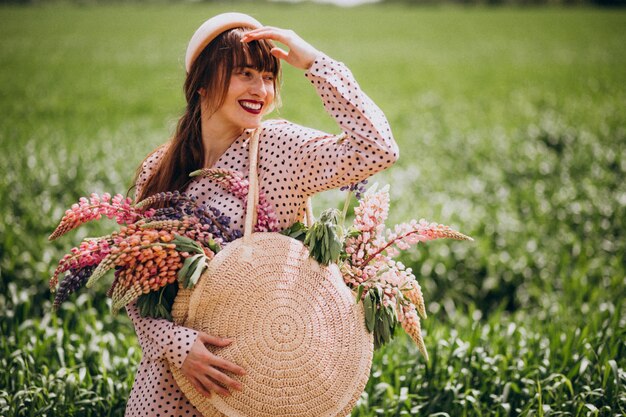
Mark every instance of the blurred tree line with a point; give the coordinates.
(606, 3)
(603, 3)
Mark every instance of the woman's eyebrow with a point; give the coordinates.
(252, 67)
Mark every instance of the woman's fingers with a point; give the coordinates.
(270, 32)
(204, 369)
(301, 54)
(215, 360)
(226, 365)
(199, 386)
(280, 53)
(213, 386)
(224, 379)
(214, 340)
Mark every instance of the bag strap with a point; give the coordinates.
(253, 189)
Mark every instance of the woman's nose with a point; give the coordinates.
(258, 87)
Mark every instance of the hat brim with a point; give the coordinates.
(210, 29)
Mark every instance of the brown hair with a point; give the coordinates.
(212, 70)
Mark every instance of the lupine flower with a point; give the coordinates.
(136, 248)
(371, 213)
(181, 205)
(90, 252)
(411, 325)
(94, 207)
(369, 260)
(358, 188)
(145, 251)
(74, 279)
(158, 266)
(235, 183)
(188, 226)
(414, 295)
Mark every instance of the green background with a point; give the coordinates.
(511, 127)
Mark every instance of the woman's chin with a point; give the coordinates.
(253, 124)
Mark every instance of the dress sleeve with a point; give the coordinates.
(366, 145)
(162, 339)
(159, 338)
(147, 168)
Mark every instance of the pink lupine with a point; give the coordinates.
(370, 263)
(372, 211)
(407, 234)
(411, 325)
(89, 252)
(414, 295)
(93, 208)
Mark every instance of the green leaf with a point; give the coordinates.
(184, 244)
(296, 231)
(191, 265)
(213, 246)
(359, 293)
(379, 294)
(162, 312)
(370, 313)
(148, 304)
(384, 326)
(143, 304)
(196, 270)
(182, 273)
(307, 239)
(191, 271)
(326, 240)
(393, 317)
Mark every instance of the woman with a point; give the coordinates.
(232, 81)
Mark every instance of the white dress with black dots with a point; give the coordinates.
(295, 162)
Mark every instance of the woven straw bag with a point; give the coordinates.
(298, 331)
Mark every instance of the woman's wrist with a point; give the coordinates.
(315, 57)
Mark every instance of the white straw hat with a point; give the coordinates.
(213, 27)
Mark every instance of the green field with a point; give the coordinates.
(512, 128)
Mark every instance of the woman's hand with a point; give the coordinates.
(201, 367)
(301, 54)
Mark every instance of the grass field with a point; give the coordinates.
(512, 128)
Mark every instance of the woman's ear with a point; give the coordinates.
(202, 92)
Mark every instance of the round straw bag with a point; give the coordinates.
(298, 331)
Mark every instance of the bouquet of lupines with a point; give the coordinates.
(155, 249)
(389, 291)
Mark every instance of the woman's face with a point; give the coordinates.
(250, 95)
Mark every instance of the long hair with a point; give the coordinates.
(212, 71)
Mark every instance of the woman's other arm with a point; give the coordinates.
(321, 161)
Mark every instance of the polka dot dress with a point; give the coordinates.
(295, 162)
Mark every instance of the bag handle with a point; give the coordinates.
(253, 190)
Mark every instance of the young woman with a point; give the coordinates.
(233, 70)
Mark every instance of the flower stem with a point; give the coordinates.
(116, 208)
(344, 212)
(372, 256)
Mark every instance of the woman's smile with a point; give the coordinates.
(251, 106)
